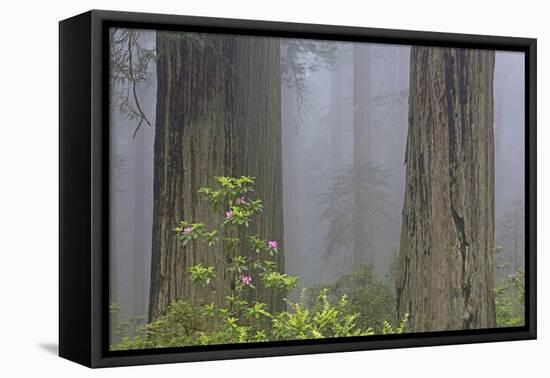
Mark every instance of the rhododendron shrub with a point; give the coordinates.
(239, 319)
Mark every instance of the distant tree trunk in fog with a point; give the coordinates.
(361, 148)
(139, 214)
(218, 113)
(446, 250)
(291, 174)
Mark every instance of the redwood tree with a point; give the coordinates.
(218, 114)
(362, 150)
(447, 237)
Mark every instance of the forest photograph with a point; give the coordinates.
(267, 189)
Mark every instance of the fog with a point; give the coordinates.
(131, 199)
(344, 129)
(509, 90)
(353, 130)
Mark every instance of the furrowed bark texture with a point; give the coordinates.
(257, 104)
(218, 114)
(446, 249)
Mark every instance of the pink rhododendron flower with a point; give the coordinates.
(272, 244)
(187, 230)
(228, 214)
(247, 280)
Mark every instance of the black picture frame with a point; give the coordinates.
(84, 184)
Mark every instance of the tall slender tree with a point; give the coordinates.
(218, 113)
(447, 237)
(362, 151)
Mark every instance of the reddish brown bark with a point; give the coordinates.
(218, 114)
(446, 253)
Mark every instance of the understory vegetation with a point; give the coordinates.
(355, 304)
(510, 300)
(509, 291)
(371, 299)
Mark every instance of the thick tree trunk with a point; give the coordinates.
(258, 145)
(446, 253)
(218, 113)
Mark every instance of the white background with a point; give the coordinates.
(29, 187)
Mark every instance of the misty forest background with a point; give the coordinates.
(335, 134)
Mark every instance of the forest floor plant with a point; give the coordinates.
(240, 319)
(509, 291)
(510, 300)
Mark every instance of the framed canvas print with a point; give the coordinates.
(233, 188)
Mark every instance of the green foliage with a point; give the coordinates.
(509, 292)
(186, 324)
(369, 297)
(230, 192)
(510, 300)
(323, 319)
(118, 328)
(232, 201)
(201, 275)
(177, 327)
(120, 324)
(388, 329)
(280, 281)
(239, 216)
(238, 264)
(264, 266)
(342, 309)
(256, 311)
(256, 244)
(210, 238)
(186, 232)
